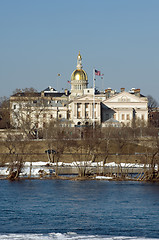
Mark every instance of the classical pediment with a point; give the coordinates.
(124, 97)
(86, 99)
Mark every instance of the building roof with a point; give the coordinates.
(112, 122)
(79, 74)
(49, 89)
(54, 94)
(54, 104)
(26, 94)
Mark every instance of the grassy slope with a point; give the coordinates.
(35, 150)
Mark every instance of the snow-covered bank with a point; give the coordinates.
(36, 168)
(103, 178)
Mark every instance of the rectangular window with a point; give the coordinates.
(142, 117)
(123, 116)
(78, 114)
(127, 117)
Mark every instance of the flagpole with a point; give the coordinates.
(93, 97)
(58, 77)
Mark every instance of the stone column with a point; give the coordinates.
(91, 111)
(75, 110)
(83, 110)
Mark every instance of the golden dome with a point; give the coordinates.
(79, 74)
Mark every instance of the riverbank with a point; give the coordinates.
(81, 171)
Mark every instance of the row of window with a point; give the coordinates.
(127, 117)
(49, 116)
(79, 115)
(123, 117)
(79, 105)
(78, 87)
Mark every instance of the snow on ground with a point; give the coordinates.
(35, 168)
(46, 167)
(103, 177)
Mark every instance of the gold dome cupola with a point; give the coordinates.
(79, 79)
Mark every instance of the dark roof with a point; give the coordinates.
(112, 120)
(49, 89)
(27, 94)
(38, 94)
(136, 94)
(54, 94)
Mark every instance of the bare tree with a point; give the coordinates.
(24, 90)
(106, 143)
(56, 136)
(14, 156)
(152, 103)
(4, 112)
(86, 150)
(154, 157)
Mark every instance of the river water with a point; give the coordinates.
(63, 209)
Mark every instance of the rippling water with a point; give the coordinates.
(57, 209)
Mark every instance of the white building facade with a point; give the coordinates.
(82, 106)
(125, 107)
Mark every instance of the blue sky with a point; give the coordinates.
(41, 38)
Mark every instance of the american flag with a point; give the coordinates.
(97, 72)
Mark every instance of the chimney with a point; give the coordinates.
(137, 92)
(108, 92)
(42, 94)
(122, 89)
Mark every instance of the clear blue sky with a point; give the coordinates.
(41, 38)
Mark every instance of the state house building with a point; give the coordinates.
(81, 106)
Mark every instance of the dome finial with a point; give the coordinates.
(79, 61)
